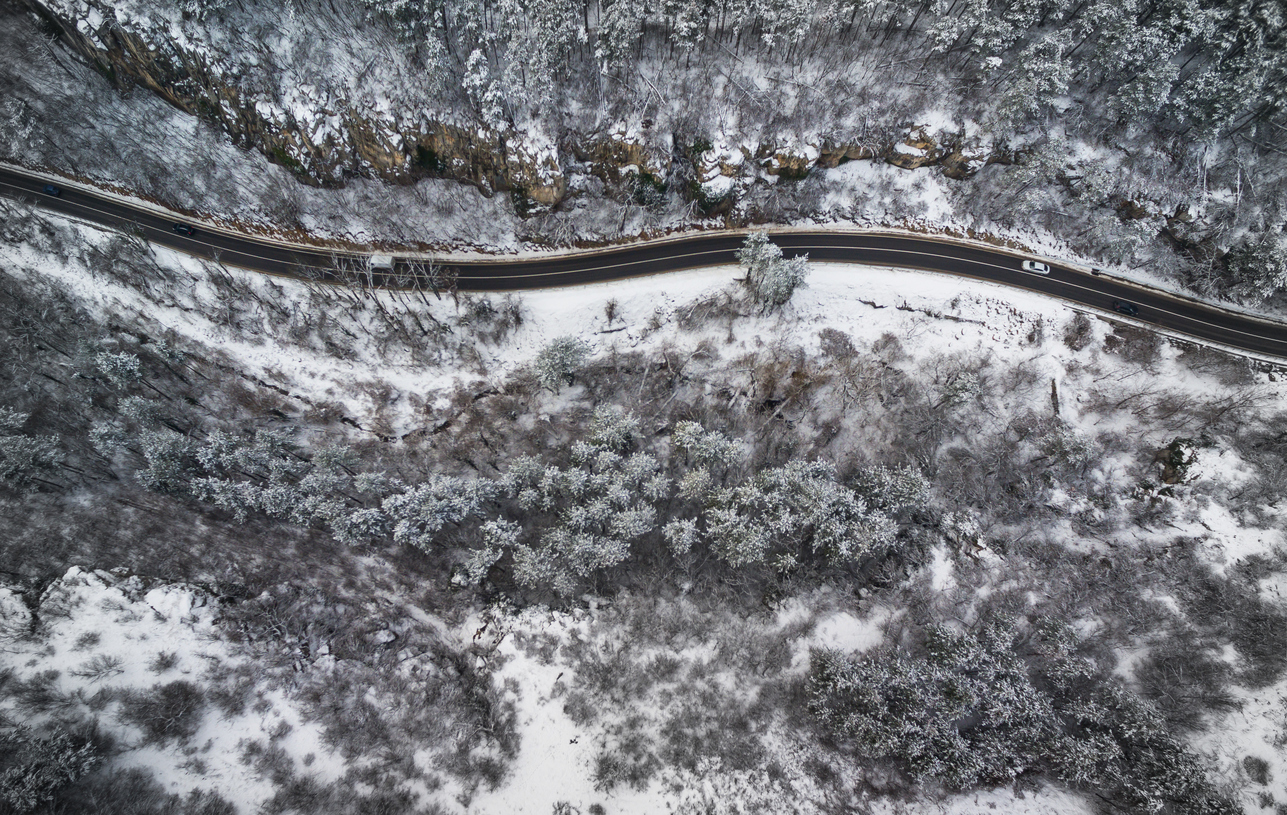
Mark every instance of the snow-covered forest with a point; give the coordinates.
(770, 538)
(1143, 134)
(785, 537)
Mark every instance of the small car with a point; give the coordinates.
(1036, 267)
(50, 189)
(1096, 271)
(184, 229)
(1123, 307)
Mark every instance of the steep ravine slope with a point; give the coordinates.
(339, 137)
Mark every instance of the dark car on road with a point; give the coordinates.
(50, 189)
(1123, 307)
(184, 229)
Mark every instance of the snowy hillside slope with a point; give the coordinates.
(1113, 495)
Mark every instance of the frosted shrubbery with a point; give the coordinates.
(34, 768)
(555, 525)
(1004, 701)
(24, 459)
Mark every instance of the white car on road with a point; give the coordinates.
(1035, 267)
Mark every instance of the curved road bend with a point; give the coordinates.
(1178, 314)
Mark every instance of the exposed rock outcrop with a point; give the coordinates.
(337, 141)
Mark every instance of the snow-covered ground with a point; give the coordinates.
(113, 634)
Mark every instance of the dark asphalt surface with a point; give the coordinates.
(1178, 314)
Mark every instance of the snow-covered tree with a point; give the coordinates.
(705, 461)
(486, 94)
(770, 278)
(782, 512)
(499, 536)
(142, 411)
(706, 448)
(238, 497)
(420, 512)
(892, 490)
(360, 526)
(558, 362)
(202, 8)
(33, 768)
(331, 471)
(165, 452)
(1257, 269)
(611, 428)
(259, 473)
(267, 455)
(1038, 75)
(620, 26)
(687, 20)
(581, 519)
(108, 437)
(24, 459)
(11, 421)
(122, 369)
(681, 534)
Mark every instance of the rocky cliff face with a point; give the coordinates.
(333, 143)
(325, 145)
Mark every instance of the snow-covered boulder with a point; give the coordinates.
(15, 617)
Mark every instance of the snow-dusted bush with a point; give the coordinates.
(33, 769)
(892, 490)
(559, 361)
(961, 527)
(958, 388)
(164, 712)
(1067, 446)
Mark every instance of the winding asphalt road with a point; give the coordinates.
(1178, 314)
